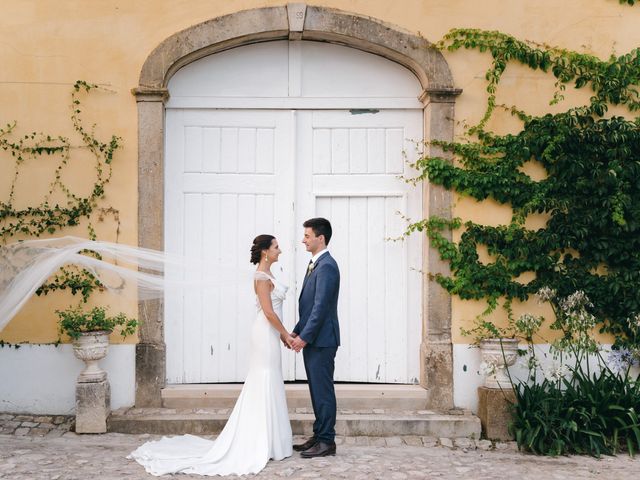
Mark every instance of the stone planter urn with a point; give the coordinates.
(497, 355)
(92, 347)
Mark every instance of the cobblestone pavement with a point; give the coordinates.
(36, 425)
(102, 457)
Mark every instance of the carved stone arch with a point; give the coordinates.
(320, 24)
(294, 22)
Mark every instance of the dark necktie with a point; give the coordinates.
(309, 268)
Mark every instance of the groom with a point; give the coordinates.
(317, 334)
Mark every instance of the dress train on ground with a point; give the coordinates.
(257, 430)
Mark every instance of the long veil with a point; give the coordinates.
(134, 272)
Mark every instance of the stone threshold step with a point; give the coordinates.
(349, 396)
(133, 411)
(348, 424)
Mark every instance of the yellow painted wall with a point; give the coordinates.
(45, 46)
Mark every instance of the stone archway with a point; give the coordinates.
(294, 22)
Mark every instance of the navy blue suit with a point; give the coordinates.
(318, 326)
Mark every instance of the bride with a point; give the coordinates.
(258, 428)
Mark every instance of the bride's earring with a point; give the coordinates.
(266, 258)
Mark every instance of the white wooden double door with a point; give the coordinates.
(233, 174)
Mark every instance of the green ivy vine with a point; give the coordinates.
(591, 194)
(45, 217)
(614, 81)
(50, 218)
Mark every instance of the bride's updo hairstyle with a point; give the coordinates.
(260, 243)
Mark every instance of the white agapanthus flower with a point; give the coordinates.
(545, 294)
(634, 321)
(556, 372)
(577, 300)
(583, 320)
(620, 360)
(528, 324)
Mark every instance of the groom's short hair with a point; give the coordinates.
(320, 226)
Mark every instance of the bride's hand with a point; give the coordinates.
(286, 340)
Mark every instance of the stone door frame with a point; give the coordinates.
(293, 22)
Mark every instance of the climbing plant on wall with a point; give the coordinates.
(50, 216)
(37, 219)
(591, 193)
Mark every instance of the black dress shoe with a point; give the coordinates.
(320, 449)
(306, 445)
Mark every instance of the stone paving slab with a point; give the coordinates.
(103, 457)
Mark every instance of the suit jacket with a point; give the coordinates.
(318, 304)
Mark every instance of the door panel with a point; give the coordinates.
(353, 180)
(224, 187)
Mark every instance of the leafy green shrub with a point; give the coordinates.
(593, 415)
(74, 321)
(575, 410)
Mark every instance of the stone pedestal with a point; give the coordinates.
(93, 405)
(494, 410)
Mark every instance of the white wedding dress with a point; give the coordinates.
(258, 428)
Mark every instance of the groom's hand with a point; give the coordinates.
(298, 344)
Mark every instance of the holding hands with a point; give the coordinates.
(287, 340)
(292, 341)
(298, 343)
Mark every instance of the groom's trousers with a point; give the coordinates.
(319, 363)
